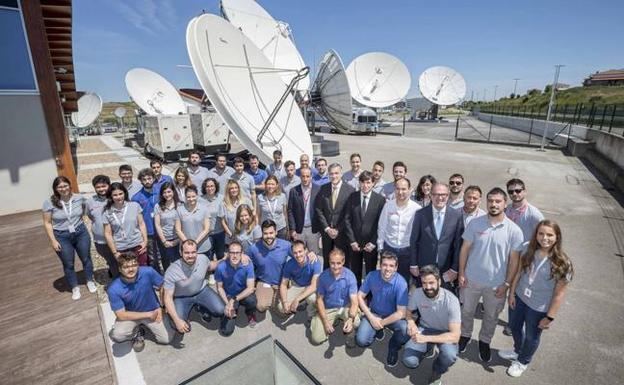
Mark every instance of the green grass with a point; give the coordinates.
(108, 108)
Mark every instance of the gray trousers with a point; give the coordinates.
(311, 239)
(492, 306)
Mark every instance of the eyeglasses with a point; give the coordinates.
(455, 183)
(516, 191)
(235, 252)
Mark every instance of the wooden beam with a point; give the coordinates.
(50, 100)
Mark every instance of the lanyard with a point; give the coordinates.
(120, 222)
(533, 272)
(273, 206)
(68, 212)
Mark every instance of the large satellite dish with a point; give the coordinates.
(254, 103)
(89, 108)
(274, 38)
(378, 79)
(153, 93)
(442, 85)
(330, 93)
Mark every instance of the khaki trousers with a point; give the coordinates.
(317, 329)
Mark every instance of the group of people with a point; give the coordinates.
(347, 248)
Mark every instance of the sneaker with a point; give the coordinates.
(251, 319)
(76, 293)
(507, 331)
(138, 343)
(430, 353)
(510, 355)
(485, 354)
(91, 286)
(516, 369)
(463, 342)
(206, 317)
(393, 358)
(379, 336)
(350, 340)
(435, 379)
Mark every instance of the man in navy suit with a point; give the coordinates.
(436, 237)
(301, 211)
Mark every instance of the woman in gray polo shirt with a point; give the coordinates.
(193, 221)
(538, 290)
(165, 215)
(246, 229)
(233, 198)
(213, 201)
(272, 205)
(63, 221)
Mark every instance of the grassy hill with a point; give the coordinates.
(108, 108)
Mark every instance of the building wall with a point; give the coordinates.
(27, 167)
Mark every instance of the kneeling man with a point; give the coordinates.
(299, 279)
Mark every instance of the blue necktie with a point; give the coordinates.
(438, 224)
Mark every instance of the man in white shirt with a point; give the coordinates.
(395, 225)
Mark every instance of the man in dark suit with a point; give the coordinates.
(361, 219)
(436, 237)
(301, 211)
(329, 211)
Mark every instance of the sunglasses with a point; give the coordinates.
(516, 191)
(453, 183)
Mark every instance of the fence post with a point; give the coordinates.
(604, 113)
(580, 114)
(612, 117)
(555, 113)
(457, 127)
(531, 129)
(574, 116)
(590, 118)
(404, 123)
(565, 111)
(490, 132)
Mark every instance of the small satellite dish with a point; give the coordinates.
(120, 112)
(274, 38)
(153, 93)
(89, 108)
(330, 93)
(254, 103)
(442, 85)
(378, 79)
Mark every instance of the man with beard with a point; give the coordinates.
(377, 171)
(95, 211)
(456, 185)
(439, 324)
(197, 172)
(159, 177)
(472, 200)
(322, 176)
(289, 180)
(221, 172)
(352, 176)
(277, 168)
(126, 175)
(399, 171)
(488, 261)
(148, 198)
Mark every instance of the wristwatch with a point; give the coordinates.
(551, 319)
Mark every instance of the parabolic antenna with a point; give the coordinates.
(378, 79)
(330, 93)
(271, 36)
(153, 93)
(120, 112)
(442, 85)
(89, 108)
(232, 72)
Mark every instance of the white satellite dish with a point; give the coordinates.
(89, 108)
(442, 85)
(120, 112)
(274, 38)
(378, 79)
(330, 93)
(254, 103)
(153, 93)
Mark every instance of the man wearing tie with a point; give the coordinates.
(329, 211)
(301, 212)
(436, 237)
(362, 214)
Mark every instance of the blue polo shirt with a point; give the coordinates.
(234, 279)
(336, 292)
(319, 180)
(387, 295)
(136, 296)
(269, 262)
(147, 201)
(259, 176)
(301, 275)
(163, 179)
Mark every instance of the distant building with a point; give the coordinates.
(194, 99)
(605, 78)
(417, 105)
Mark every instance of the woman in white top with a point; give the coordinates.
(193, 221)
(165, 216)
(232, 199)
(246, 229)
(182, 180)
(272, 204)
(63, 221)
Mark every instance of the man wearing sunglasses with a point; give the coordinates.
(456, 198)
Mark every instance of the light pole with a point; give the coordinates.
(495, 89)
(484, 93)
(551, 103)
(515, 85)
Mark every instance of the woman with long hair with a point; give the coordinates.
(213, 201)
(232, 199)
(193, 221)
(124, 228)
(272, 204)
(165, 215)
(246, 229)
(63, 220)
(182, 180)
(422, 193)
(536, 294)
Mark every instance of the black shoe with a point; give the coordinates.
(206, 317)
(138, 342)
(430, 351)
(393, 358)
(484, 352)
(507, 331)
(463, 342)
(379, 335)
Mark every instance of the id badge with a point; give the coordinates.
(71, 228)
(152, 215)
(266, 285)
(527, 292)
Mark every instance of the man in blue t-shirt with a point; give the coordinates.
(235, 284)
(148, 198)
(299, 278)
(259, 175)
(386, 308)
(136, 305)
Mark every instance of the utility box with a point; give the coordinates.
(210, 133)
(168, 136)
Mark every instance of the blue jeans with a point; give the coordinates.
(526, 334)
(228, 324)
(168, 255)
(207, 300)
(414, 353)
(218, 244)
(404, 255)
(78, 242)
(366, 334)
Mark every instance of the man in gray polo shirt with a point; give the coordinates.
(221, 172)
(520, 211)
(197, 172)
(488, 261)
(245, 181)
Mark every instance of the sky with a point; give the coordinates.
(490, 42)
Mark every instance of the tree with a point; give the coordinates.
(512, 96)
(548, 89)
(533, 92)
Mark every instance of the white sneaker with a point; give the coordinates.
(516, 369)
(510, 355)
(76, 293)
(91, 286)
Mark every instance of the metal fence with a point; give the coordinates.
(603, 117)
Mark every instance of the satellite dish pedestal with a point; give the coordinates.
(433, 113)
